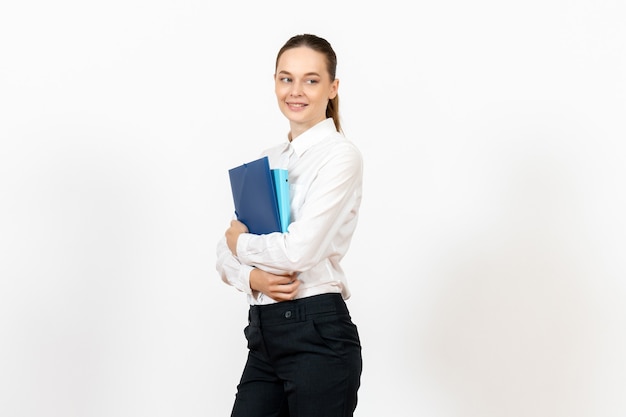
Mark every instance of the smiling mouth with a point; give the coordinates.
(299, 105)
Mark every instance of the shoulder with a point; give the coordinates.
(344, 146)
(341, 151)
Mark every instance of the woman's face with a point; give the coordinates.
(303, 87)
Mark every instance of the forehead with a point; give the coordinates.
(301, 60)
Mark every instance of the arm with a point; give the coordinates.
(248, 279)
(231, 270)
(330, 204)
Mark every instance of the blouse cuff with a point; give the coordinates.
(243, 242)
(244, 278)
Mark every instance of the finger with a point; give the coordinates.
(282, 279)
(239, 226)
(287, 287)
(283, 296)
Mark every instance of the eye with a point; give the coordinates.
(285, 79)
(312, 81)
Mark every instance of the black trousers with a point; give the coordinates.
(304, 360)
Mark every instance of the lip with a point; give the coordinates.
(296, 106)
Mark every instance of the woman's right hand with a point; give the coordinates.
(277, 287)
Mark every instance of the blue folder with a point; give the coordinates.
(281, 185)
(254, 195)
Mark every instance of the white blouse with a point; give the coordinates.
(325, 183)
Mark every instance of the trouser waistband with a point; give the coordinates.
(297, 310)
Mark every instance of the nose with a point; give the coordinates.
(296, 90)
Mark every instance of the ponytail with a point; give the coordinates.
(332, 110)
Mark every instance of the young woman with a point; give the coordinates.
(304, 355)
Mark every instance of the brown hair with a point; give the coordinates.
(323, 46)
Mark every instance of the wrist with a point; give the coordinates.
(254, 274)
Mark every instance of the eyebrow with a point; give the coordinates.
(308, 74)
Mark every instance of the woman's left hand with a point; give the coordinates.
(232, 234)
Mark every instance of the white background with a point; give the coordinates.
(488, 270)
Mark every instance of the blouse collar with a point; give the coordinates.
(313, 136)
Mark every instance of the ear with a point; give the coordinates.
(334, 89)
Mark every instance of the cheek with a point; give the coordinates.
(280, 91)
(320, 98)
